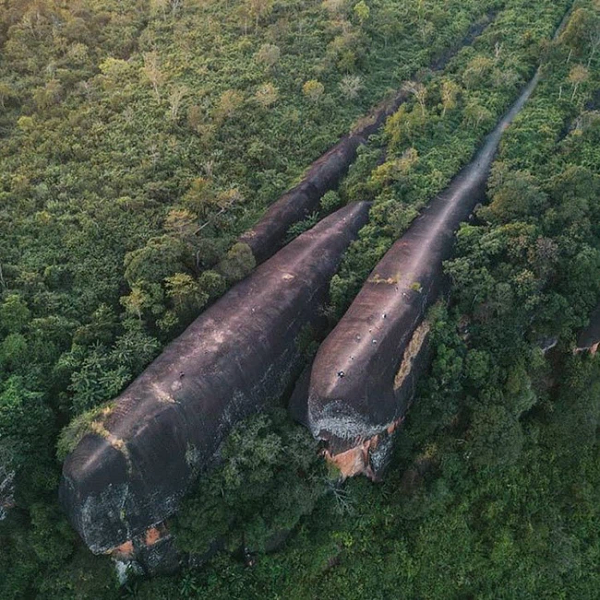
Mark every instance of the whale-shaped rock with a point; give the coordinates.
(152, 441)
(364, 374)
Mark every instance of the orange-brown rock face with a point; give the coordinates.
(130, 472)
(364, 458)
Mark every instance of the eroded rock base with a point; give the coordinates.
(368, 458)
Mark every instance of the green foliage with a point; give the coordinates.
(330, 201)
(97, 373)
(301, 226)
(156, 261)
(313, 90)
(270, 476)
(185, 292)
(212, 283)
(78, 427)
(518, 197)
(139, 141)
(24, 420)
(238, 263)
(362, 11)
(14, 313)
(497, 437)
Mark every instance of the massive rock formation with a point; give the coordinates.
(363, 376)
(153, 440)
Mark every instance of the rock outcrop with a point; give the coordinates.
(588, 339)
(364, 374)
(128, 475)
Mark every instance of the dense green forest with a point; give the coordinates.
(140, 138)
